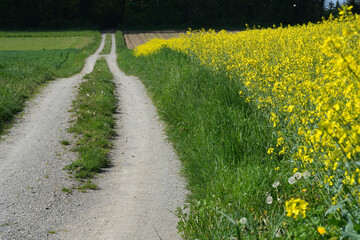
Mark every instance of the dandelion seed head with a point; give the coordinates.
(279, 233)
(297, 176)
(291, 180)
(306, 174)
(243, 221)
(276, 184)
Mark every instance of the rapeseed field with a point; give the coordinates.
(306, 79)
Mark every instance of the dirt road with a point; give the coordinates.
(137, 195)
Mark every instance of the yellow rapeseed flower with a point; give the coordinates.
(304, 77)
(270, 150)
(294, 207)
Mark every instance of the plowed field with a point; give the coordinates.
(136, 38)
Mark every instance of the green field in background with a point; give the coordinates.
(43, 43)
(28, 62)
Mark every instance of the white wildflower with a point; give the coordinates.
(306, 174)
(269, 200)
(297, 176)
(292, 180)
(276, 184)
(279, 232)
(243, 221)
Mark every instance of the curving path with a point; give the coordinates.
(137, 196)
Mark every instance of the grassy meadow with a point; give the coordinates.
(266, 122)
(42, 43)
(22, 72)
(42, 34)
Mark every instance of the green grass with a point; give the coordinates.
(66, 190)
(222, 141)
(35, 34)
(65, 142)
(88, 185)
(43, 43)
(107, 46)
(94, 109)
(22, 72)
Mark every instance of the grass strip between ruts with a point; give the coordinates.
(107, 47)
(221, 140)
(94, 109)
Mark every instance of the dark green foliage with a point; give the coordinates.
(65, 142)
(59, 13)
(219, 13)
(155, 13)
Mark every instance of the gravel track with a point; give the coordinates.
(141, 191)
(137, 194)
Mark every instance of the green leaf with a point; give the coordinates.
(334, 208)
(357, 227)
(233, 222)
(351, 235)
(335, 222)
(350, 232)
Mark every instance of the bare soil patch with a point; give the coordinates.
(136, 38)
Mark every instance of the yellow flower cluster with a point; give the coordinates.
(306, 77)
(294, 207)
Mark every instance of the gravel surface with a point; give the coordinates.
(137, 195)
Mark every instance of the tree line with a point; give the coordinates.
(25, 14)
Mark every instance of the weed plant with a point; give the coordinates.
(221, 139)
(94, 109)
(22, 72)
